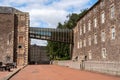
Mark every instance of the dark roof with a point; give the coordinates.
(4, 9)
(90, 9)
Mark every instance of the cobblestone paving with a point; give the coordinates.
(54, 72)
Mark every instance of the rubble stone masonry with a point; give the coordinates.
(6, 37)
(14, 36)
(97, 38)
(103, 36)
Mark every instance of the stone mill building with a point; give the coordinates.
(14, 40)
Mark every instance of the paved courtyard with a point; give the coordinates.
(7, 74)
(54, 72)
(3, 74)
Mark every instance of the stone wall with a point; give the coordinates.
(107, 67)
(111, 68)
(6, 37)
(22, 38)
(93, 55)
(14, 35)
(112, 46)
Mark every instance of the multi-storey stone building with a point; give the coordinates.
(14, 40)
(38, 55)
(97, 35)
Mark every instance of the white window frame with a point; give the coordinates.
(80, 30)
(89, 25)
(95, 38)
(80, 43)
(103, 36)
(112, 12)
(84, 42)
(90, 54)
(103, 17)
(113, 33)
(102, 4)
(104, 54)
(84, 26)
(95, 22)
(89, 40)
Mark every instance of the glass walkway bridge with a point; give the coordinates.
(58, 35)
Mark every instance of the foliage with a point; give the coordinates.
(58, 50)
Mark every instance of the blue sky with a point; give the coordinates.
(47, 13)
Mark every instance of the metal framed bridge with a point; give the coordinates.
(58, 35)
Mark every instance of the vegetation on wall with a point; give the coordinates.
(58, 50)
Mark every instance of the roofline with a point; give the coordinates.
(12, 9)
(89, 9)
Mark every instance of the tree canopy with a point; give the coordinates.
(58, 50)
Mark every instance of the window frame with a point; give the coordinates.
(89, 41)
(104, 53)
(113, 33)
(89, 25)
(103, 17)
(103, 36)
(95, 38)
(112, 11)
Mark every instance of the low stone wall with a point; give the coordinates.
(112, 68)
(107, 67)
(68, 63)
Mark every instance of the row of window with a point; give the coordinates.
(103, 38)
(103, 53)
(95, 21)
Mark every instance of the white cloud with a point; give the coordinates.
(50, 16)
(47, 13)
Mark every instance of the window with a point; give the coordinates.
(103, 36)
(21, 29)
(90, 54)
(89, 25)
(95, 9)
(89, 40)
(9, 38)
(95, 22)
(78, 27)
(113, 33)
(112, 12)
(80, 30)
(103, 17)
(80, 43)
(22, 17)
(111, 0)
(21, 51)
(21, 39)
(104, 55)
(84, 28)
(84, 42)
(95, 38)
(102, 4)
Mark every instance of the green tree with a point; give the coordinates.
(58, 50)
